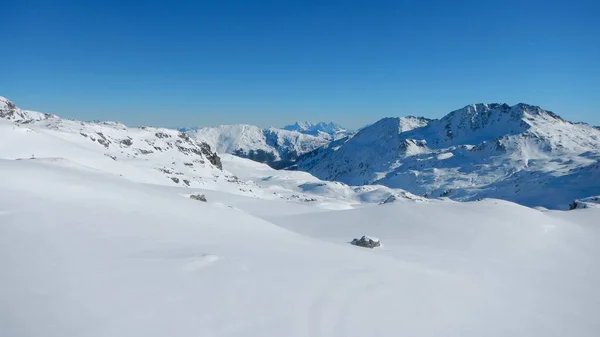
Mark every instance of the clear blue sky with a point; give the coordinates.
(184, 63)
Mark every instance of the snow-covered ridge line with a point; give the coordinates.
(162, 156)
(329, 128)
(277, 147)
(109, 146)
(518, 153)
(8, 110)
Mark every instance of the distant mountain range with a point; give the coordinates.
(520, 153)
(334, 130)
(161, 156)
(277, 147)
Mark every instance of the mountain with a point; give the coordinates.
(9, 111)
(161, 156)
(145, 154)
(107, 230)
(276, 147)
(334, 130)
(521, 153)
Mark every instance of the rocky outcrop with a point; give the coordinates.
(367, 242)
(199, 197)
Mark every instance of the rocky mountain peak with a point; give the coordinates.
(10, 111)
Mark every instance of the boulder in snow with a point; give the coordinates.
(199, 197)
(367, 242)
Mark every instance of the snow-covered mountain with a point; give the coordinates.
(276, 147)
(107, 230)
(161, 156)
(9, 111)
(336, 131)
(146, 154)
(521, 153)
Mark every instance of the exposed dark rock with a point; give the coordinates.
(199, 197)
(367, 242)
(103, 139)
(175, 180)
(389, 200)
(212, 157)
(104, 142)
(127, 142)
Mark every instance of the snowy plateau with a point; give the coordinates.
(99, 235)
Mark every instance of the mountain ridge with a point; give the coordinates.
(330, 128)
(480, 150)
(276, 147)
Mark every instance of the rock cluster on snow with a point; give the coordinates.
(199, 197)
(367, 242)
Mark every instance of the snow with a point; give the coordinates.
(336, 131)
(274, 146)
(520, 153)
(98, 239)
(168, 157)
(8, 110)
(86, 253)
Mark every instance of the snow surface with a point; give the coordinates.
(86, 253)
(98, 237)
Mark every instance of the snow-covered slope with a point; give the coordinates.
(336, 131)
(169, 157)
(521, 153)
(303, 187)
(99, 237)
(276, 147)
(150, 155)
(8, 110)
(86, 253)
